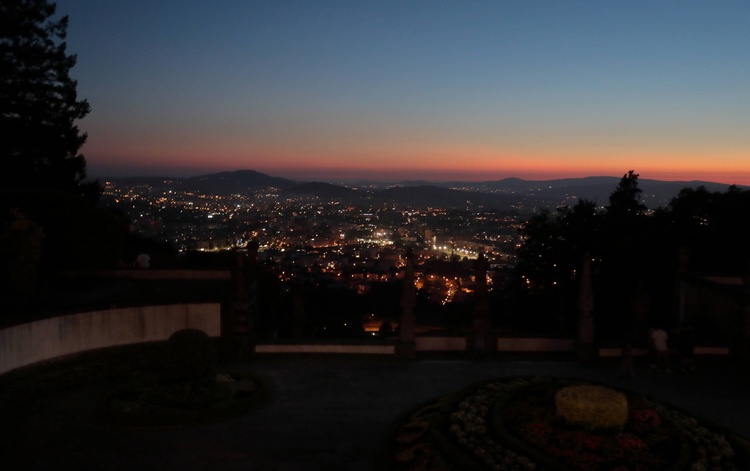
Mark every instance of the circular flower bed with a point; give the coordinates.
(513, 424)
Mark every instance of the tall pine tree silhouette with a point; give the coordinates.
(39, 105)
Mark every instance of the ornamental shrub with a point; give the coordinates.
(190, 356)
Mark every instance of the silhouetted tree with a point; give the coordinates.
(625, 223)
(544, 280)
(554, 244)
(550, 257)
(580, 228)
(625, 201)
(626, 257)
(636, 254)
(538, 254)
(20, 251)
(712, 226)
(43, 173)
(39, 106)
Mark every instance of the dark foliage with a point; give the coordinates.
(712, 226)
(634, 255)
(43, 184)
(76, 233)
(39, 105)
(190, 356)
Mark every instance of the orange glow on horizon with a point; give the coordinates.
(438, 163)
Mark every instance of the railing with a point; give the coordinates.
(29, 343)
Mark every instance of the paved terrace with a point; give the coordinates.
(331, 413)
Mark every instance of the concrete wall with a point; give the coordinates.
(440, 344)
(25, 344)
(510, 344)
(33, 342)
(610, 352)
(362, 349)
(425, 344)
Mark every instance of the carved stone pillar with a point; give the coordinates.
(407, 322)
(585, 347)
(744, 344)
(243, 309)
(680, 285)
(299, 317)
(482, 338)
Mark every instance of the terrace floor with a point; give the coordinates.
(331, 413)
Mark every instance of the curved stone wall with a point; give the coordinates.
(25, 344)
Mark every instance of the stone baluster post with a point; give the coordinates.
(585, 347)
(240, 327)
(745, 321)
(482, 341)
(407, 323)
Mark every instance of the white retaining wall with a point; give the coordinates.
(642, 352)
(326, 348)
(510, 344)
(25, 344)
(440, 344)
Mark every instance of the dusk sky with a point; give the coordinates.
(436, 90)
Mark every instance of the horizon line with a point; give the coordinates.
(114, 175)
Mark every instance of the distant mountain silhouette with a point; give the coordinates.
(422, 197)
(238, 181)
(546, 193)
(505, 194)
(418, 183)
(157, 181)
(655, 192)
(658, 193)
(324, 191)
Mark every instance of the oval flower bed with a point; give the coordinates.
(515, 424)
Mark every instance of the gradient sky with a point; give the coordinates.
(437, 90)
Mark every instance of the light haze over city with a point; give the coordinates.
(434, 90)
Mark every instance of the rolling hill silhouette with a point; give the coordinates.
(504, 194)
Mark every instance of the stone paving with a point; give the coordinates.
(332, 412)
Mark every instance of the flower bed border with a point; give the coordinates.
(541, 458)
(434, 447)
